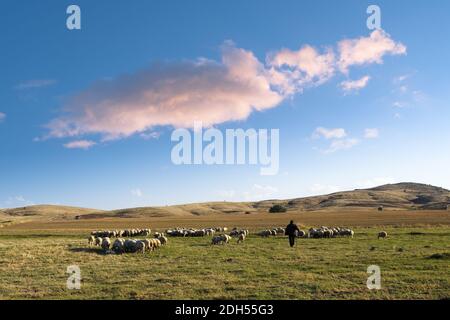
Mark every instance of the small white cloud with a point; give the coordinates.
(79, 144)
(401, 78)
(418, 95)
(336, 133)
(36, 83)
(354, 85)
(342, 144)
(403, 89)
(137, 192)
(18, 201)
(399, 104)
(371, 133)
(150, 135)
(2, 116)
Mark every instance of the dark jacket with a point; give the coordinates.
(291, 229)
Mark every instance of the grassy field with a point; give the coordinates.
(414, 262)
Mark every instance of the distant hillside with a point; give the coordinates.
(47, 212)
(412, 196)
(401, 196)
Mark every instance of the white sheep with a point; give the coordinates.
(382, 234)
(106, 243)
(98, 241)
(216, 240)
(130, 245)
(140, 246)
(118, 246)
(163, 240)
(301, 234)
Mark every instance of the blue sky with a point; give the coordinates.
(352, 124)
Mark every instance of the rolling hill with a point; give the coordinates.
(401, 196)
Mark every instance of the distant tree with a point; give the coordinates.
(277, 208)
(380, 208)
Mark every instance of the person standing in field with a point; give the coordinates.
(291, 232)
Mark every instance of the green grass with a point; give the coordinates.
(414, 264)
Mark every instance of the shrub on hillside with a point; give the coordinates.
(277, 208)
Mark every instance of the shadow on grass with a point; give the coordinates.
(206, 244)
(88, 250)
(35, 236)
(440, 256)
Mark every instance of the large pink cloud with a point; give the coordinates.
(214, 92)
(171, 94)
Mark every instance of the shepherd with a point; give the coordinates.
(291, 232)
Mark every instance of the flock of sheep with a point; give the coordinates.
(322, 232)
(325, 232)
(120, 245)
(272, 232)
(189, 232)
(217, 239)
(240, 234)
(121, 233)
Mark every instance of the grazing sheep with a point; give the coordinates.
(382, 234)
(280, 230)
(118, 246)
(315, 233)
(301, 234)
(327, 233)
(121, 233)
(140, 246)
(199, 233)
(91, 240)
(130, 245)
(163, 240)
(106, 243)
(226, 238)
(221, 239)
(265, 233)
(241, 238)
(236, 233)
(98, 241)
(153, 244)
(346, 232)
(147, 244)
(156, 243)
(216, 240)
